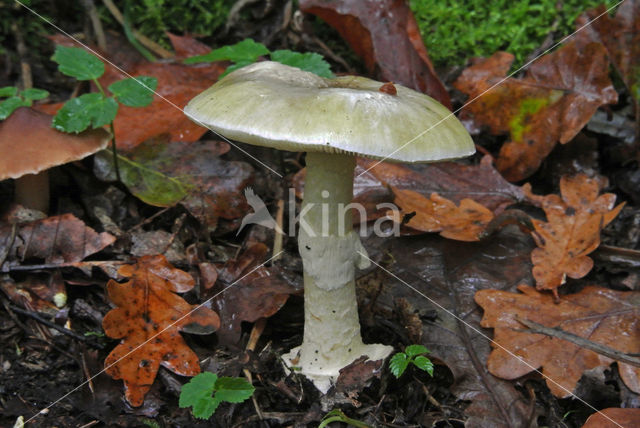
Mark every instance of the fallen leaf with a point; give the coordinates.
(603, 316)
(437, 214)
(553, 102)
(40, 293)
(148, 318)
(186, 46)
(56, 240)
(446, 275)
(626, 418)
(386, 36)
(620, 34)
(246, 290)
(572, 230)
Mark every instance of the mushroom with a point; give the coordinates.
(29, 147)
(333, 120)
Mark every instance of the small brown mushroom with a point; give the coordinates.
(29, 147)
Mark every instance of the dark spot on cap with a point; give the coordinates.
(388, 88)
(570, 211)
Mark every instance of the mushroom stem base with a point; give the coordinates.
(32, 191)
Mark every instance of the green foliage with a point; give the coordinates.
(459, 29)
(413, 354)
(154, 18)
(16, 98)
(206, 391)
(96, 109)
(248, 51)
(336, 415)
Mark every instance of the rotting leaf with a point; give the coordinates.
(385, 34)
(553, 102)
(572, 230)
(148, 318)
(254, 291)
(603, 316)
(437, 214)
(57, 239)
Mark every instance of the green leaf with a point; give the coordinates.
(234, 67)
(146, 183)
(78, 114)
(308, 61)
(198, 395)
(10, 104)
(233, 389)
(135, 92)
(8, 91)
(244, 51)
(33, 94)
(78, 63)
(398, 364)
(423, 363)
(413, 350)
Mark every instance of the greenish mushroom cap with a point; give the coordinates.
(274, 105)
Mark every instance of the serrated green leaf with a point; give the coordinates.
(233, 389)
(8, 91)
(197, 394)
(78, 63)
(308, 61)
(423, 363)
(135, 92)
(32, 94)
(245, 51)
(413, 350)
(147, 184)
(9, 105)
(78, 114)
(234, 67)
(398, 364)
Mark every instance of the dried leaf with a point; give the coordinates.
(437, 214)
(553, 102)
(254, 292)
(385, 34)
(627, 418)
(601, 315)
(148, 319)
(58, 239)
(571, 232)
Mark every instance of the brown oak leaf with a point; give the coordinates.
(462, 222)
(603, 316)
(552, 103)
(148, 319)
(572, 230)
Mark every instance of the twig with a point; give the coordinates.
(534, 327)
(36, 317)
(90, 6)
(27, 79)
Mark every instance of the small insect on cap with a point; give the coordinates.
(274, 105)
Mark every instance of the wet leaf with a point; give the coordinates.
(628, 418)
(186, 46)
(40, 293)
(601, 315)
(572, 230)
(58, 239)
(386, 36)
(148, 318)
(308, 61)
(246, 51)
(254, 292)
(134, 92)
(78, 63)
(552, 103)
(620, 34)
(77, 114)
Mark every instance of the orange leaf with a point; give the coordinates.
(572, 231)
(148, 318)
(438, 214)
(601, 315)
(552, 103)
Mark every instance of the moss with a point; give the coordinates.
(456, 30)
(154, 18)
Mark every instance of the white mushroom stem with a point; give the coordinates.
(32, 191)
(330, 251)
